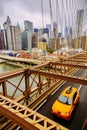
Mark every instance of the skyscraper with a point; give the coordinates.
(28, 26)
(26, 40)
(4, 31)
(34, 40)
(66, 31)
(40, 32)
(49, 28)
(85, 19)
(2, 46)
(14, 38)
(79, 22)
(52, 29)
(7, 23)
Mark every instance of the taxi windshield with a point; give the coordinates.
(65, 100)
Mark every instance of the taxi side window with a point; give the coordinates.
(74, 97)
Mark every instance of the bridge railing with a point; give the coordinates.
(25, 117)
(27, 84)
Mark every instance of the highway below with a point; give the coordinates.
(80, 113)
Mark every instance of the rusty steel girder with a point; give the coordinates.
(25, 117)
(74, 79)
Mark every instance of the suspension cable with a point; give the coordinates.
(68, 12)
(42, 13)
(60, 20)
(57, 13)
(74, 17)
(69, 21)
(51, 16)
(64, 13)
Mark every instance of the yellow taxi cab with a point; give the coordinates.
(66, 102)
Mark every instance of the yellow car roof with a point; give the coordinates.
(69, 91)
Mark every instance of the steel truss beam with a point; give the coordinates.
(25, 117)
(70, 65)
(75, 60)
(74, 79)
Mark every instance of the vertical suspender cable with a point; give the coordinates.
(70, 19)
(57, 13)
(64, 13)
(73, 7)
(68, 12)
(60, 21)
(51, 17)
(71, 24)
(77, 23)
(74, 21)
(74, 17)
(64, 21)
(42, 13)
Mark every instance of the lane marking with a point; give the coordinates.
(51, 95)
(80, 87)
(58, 88)
(18, 128)
(41, 105)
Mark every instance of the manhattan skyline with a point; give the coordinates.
(21, 10)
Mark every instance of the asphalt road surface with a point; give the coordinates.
(80, 113)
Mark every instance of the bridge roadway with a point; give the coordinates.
(32, 61)
(64, 77)
(80, 113)
(74, 58)
(50, 100)
(8, 105)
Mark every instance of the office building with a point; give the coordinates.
(28, 26)
(26, 40)
(66, 32)
(52, 29)
(40, 32)
(42, 45)
(34, 40)
(14, 38)
(2, 45)
(79, 25)
(48, 26)
(4, 31)
(36, 30)
(55, 25)
(54, 43)
(7, 23)
(85, 19)
(79, 22)
(43, 33)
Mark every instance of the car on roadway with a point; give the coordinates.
(66, 103)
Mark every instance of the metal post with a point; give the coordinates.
(4, 88)
(27, 87)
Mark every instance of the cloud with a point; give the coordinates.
(20, 10)
(1, 9)
(30, 5)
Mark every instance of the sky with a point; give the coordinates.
(21, 10)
